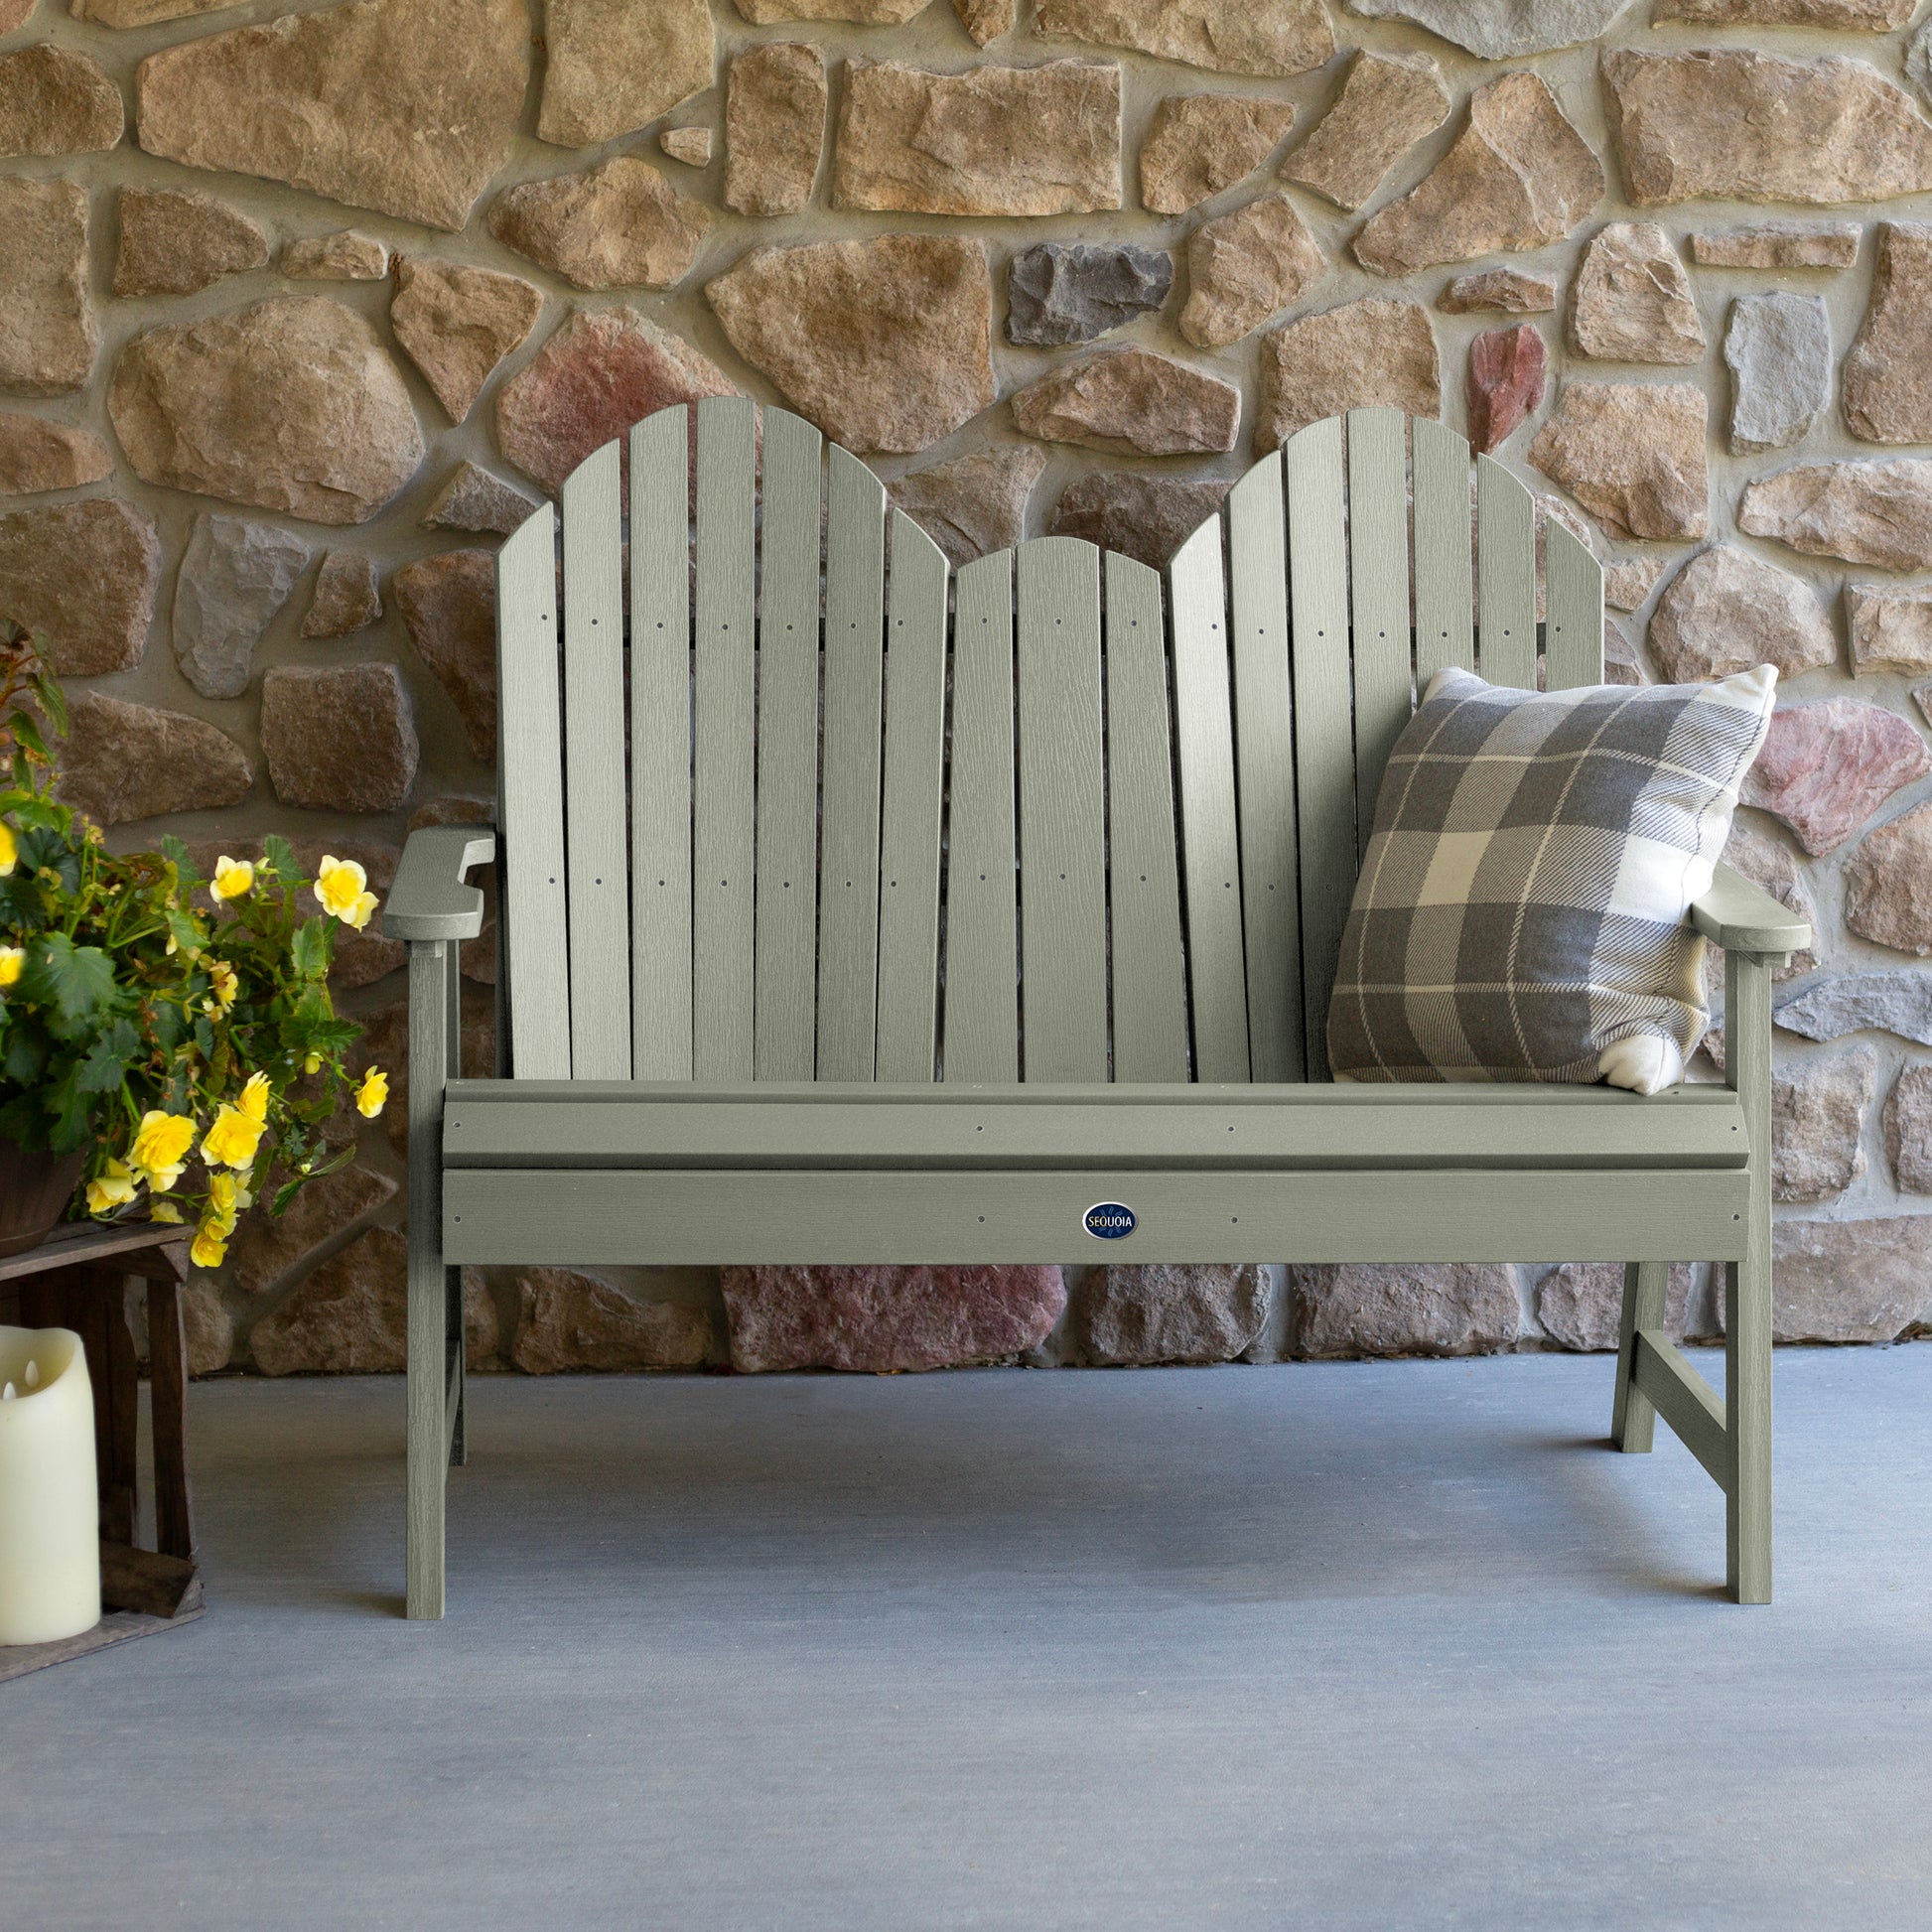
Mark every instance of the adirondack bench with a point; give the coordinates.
(1047, 916)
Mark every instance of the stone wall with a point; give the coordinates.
(303, 309)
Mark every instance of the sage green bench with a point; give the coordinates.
(1044, 915)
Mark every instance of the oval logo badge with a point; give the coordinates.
(1111, 1220)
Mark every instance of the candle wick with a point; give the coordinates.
(33, 1376)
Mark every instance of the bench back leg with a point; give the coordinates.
(1748, 1289)
(433, 989)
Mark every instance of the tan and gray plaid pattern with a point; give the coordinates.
(1520, 910)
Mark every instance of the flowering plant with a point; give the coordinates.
(178, 1028)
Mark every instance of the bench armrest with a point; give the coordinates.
(1743, 918)
(428, 899)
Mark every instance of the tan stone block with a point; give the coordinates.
(1198, 144)
(1388, 102)
(129, 761)
(338, 737)
(1375, 351)
(1633, 455)
(54, 100)
(48, 345)
(456, 324)
(85, 576)
(174, 241)
(615, 225)
(612, 65)
(37, 453)
(774, 127)
(1132, 402)
(1276, 36)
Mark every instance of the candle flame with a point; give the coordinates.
(7, 1393)
(32, 1375)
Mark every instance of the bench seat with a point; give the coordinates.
(604, 1172)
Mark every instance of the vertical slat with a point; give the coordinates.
(600, 887)
(661, 747)
(432, 965)
(1572, 609)
(1265, 770)
(725, 667)
(1444, 595)
(1325, 748)
(455, 1357)
(787, 836)
(1748, 1289)
(1378, 583)
(1505, 576)
(1149, 971)
(1646, 1288)
(1063, 846)
(530, 782)
(1204, 743)
(982, 1010)
(848, 924)
(908, 840)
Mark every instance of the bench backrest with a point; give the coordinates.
(840, 813)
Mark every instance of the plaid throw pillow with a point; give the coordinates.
(1520, 911)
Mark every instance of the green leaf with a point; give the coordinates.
(75, 982)
(311, 949)
(176, 853)
(290, 1188)
(26, 1056)
(185, 931)
(280, 855)
(27, 733)
(52, 702)
(104, 1065)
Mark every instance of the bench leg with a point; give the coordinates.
(1747, 1290)
(1632, 1418)
(431, 969)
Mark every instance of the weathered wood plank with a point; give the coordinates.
(1324, 753)
(531, 779)
(522, 1216)
(661, 747)
(1444, 591)
(1378, 583)
(982, 1003)
(1572, 580)
(1505, 576)
(1264, 741)
(914, 767)
(724, 828)
(1150, 969)
(593, 769)
(787, 836)
(1210, 846)
(855, 616)
(1063, 843)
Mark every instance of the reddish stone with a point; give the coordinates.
(882, 1320)
(1827, 768)
(601, 371)
(1506, 371)
(449, 607)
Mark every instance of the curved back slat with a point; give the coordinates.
(1052, 833)
(854, 618)
(982, 1008)
(785, 963)
(530, 800)
(1150, 969)
(722, 687)
(593, 773)
(1505, 576)
(908, 838)
(1445, 594)
(1062, 841)
(1264, 751)
(1324, 728)
(1378, 587)
(660, 747)
(1204, 733)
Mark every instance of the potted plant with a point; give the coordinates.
(167, 1044)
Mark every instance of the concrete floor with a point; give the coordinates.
(1323, 1646)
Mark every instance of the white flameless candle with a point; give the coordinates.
(50, 1522)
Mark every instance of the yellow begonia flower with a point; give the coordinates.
(343, 888)
(311, 1065)
(232, 878)
(211, 1247)
(13, 962)
(222, 987)
(225, 1202)
(114, 1186)
(8, 850)
(232, 1140)
(373, 1094)
(160, 1148)
(254, 1097)
(164, 1210)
